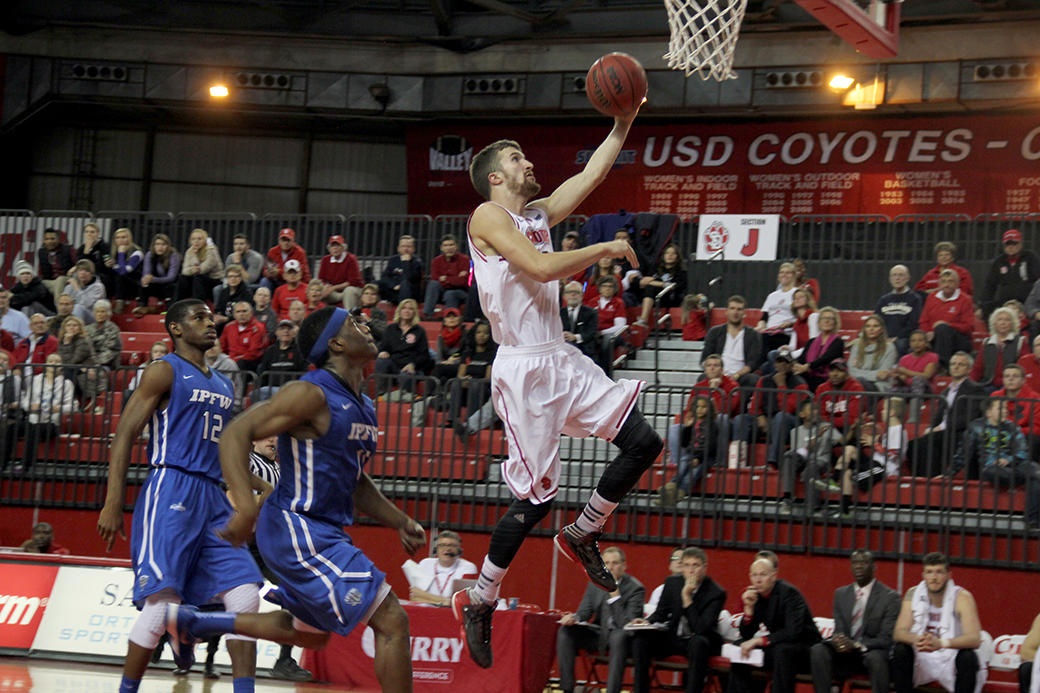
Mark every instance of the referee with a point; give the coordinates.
(263, 462)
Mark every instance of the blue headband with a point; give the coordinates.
(321, 347)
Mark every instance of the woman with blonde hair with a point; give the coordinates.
(815, 360)
(872, 356)
(76, 349)
(127, 267)
(202, 269)
(1005, 345)
(777, 318)
(403, 349)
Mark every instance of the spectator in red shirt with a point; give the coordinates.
(340, 274)
(1025, 414)
(774, 407)
(278, 256)
(572, 241)
(449, 278)
(1031, 364)
(945, 254)
(38, 345)
(612, 314)
(294, 289)
(245, 339)
(841, 400)
(606, 267)
(726, 401)
(948, 318)
(802, 281)
(314, 294)
(43, 541)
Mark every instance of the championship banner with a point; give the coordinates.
(25, 590)
(930, 165)
(737, 237)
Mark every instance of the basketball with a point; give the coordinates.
(616, 84)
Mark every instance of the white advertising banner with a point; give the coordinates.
(749, 237)
(91, 611)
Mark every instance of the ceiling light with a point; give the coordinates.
(841, 82)
(218, 91)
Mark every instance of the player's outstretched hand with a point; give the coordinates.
(623, 249)
(110, 525)
(239, 529)
(412, 536)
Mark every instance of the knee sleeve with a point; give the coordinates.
(513, 528)
(244, 599)
(640, 445)
(151, 623)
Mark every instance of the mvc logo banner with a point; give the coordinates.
(738, 237)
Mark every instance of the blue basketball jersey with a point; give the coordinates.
(318, 476)
(184, 435)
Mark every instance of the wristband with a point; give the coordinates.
(944, 643)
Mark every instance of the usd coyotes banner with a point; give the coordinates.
(937, 165)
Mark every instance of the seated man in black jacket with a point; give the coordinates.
(282, 362)
(781, 608)
(580, 322)
(690, 606)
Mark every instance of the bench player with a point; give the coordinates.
(176, 553)
(541, 386)
(326, 433)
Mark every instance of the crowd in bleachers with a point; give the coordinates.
(758, 372)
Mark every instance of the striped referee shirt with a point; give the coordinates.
(263, 468)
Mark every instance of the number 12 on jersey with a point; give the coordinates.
(212, 426)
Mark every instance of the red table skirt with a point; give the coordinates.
(523, 644)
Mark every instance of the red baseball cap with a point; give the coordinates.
(337, 239)
(287, 233)
(1012, 236)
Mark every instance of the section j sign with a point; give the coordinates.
(738, 237)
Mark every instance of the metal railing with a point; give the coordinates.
(910, 505)
(849, 255)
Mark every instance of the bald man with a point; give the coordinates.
(779, 606)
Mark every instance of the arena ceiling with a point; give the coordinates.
(460, 25)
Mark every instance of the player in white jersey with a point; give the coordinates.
(540, 385)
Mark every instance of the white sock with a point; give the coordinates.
(595, 514)
(489, 582)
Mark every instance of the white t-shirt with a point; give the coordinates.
(443, 578)
(733, 352)
(778, 306)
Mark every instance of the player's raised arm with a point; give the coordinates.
(566, 198)
(296, 405)
(494, 233)
(155, 384)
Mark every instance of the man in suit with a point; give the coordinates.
(690, 606)
(958, 406)
(580, 322)
(605, 614)
(864, 617)
(781, 608)
(739, 345)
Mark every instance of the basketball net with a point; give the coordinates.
(704, 36)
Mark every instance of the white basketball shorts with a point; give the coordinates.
(543, 391)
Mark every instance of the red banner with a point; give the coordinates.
(524, 648)
(25, 590)
(938, 165)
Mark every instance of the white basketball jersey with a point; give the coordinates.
(521, 310)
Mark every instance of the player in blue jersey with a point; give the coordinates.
(326, 433)
(176, 553)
